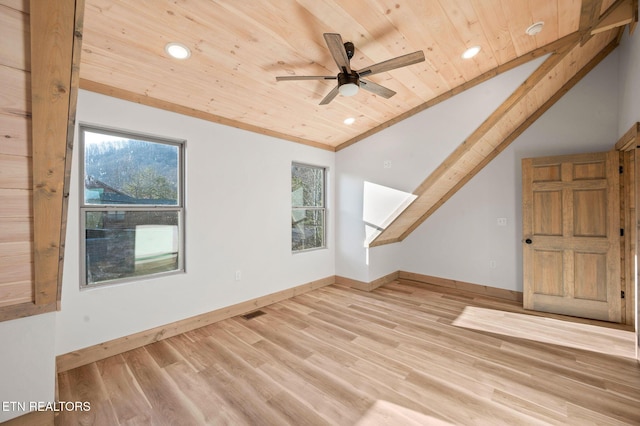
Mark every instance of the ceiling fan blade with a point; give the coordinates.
(400, 61)
(332, 94)
(306, 77)
(336, 47)
(376, 88)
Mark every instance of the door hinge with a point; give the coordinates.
(622, 232)
(622, 294)
(621, 169)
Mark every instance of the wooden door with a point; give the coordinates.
(571, 235)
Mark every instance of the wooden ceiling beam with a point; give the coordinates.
(478, 150)
(621, 13)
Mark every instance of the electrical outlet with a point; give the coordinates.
(502, 221)
(238, 275)
(387, 164)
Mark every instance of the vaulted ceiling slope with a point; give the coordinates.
(239, 47)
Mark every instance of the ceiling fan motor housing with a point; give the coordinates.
(352, 78)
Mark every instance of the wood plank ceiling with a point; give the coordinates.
(239, 47)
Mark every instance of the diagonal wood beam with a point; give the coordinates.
(481, 147)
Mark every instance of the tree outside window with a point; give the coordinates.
(308, 207)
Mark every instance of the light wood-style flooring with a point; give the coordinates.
(400, 355)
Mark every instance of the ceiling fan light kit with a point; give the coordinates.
(348, 84)
(350, 81)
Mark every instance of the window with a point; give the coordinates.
(308, 207)
(131, 209)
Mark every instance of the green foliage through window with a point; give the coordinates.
(308, 221)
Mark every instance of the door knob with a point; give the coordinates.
(528, 241)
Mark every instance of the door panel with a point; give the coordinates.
(571, 244)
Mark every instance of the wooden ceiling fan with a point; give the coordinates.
(349, 81)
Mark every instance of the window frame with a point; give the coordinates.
(179, 207)
(324, 208)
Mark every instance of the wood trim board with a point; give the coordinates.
(100, 351)
(52, 39)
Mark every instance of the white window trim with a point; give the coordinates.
(83, 207)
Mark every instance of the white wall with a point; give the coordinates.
(461, 239)
(415, 147)
(238, 203)
(629, 83)
(27, 362)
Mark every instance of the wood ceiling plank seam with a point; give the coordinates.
(16, 268)
(16, 172)
(16, 248)
(547, 12)
(520, 18)
(16, 83)
(553, 47)
(569, 16)
(466, 24)
(15, 203)
(16, 133)
(168, 106)
(496, 30)
(14, 229)
(20, 5)
(595, 59)
(438, 60)
(14, 26)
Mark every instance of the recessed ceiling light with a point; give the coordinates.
(535, 28)
(349, 121)
(177, 50)
(471, 52)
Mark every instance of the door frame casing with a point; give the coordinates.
(628, 145)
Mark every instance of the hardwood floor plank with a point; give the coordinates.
(168, 406)
(405, 353)
(213, 407)
(127, 398)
